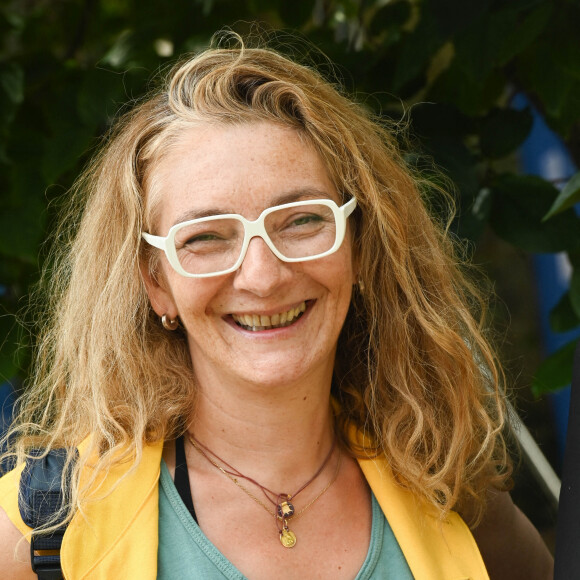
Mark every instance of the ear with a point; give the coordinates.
(157, 289)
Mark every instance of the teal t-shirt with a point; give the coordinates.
(185, 552)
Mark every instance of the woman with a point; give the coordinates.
(257, 307)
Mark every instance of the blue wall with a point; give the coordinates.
(544, 154)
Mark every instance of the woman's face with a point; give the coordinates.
(245, 169)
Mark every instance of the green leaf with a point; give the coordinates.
(67, 137)
(12, 82)
(21, 234)
(118, 54)
(550, 67)
(470, 93)
(451, 154)
(11, 96)
(556, 371)
(568, 197)
(431, 120)
(524, 30)
(453, 16)
(499, 35)
(9, 364)
(417, 49)
(503, 130)
(390, 17)
(8, 367)
(566, 121)
(100, 95)
(458, 161)
(295, 14)
(519, 205)
(563, 316)
(472, 215)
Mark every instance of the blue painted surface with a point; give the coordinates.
(6, 405)
(6, 408)
(544, 154)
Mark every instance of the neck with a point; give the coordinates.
(278, 435)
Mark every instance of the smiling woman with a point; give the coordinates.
(265, 353)
(241, 172)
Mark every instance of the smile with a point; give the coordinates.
(256, 322)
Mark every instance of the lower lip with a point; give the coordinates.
(274, 331)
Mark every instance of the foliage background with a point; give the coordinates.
(451, 66)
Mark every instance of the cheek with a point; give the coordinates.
(353, 257)
(348, 280)
(157, 287)
(339, 278)
(196, 297)
(348, 266)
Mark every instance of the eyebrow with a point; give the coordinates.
(288, 197)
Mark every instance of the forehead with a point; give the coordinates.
(237, 169)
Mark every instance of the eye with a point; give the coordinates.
(303, 219)
(306, 219)
(201, 238)
(207, 233)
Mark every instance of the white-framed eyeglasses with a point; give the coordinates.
(216, 245)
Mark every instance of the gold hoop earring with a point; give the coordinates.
(168, 323)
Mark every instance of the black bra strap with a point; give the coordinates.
(181, 480)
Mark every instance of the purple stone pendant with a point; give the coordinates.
(285, 510)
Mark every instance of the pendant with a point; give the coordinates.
(285, 510)
(287, 538)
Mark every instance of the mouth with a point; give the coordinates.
(257, 322)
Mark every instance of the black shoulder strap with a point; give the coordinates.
(567, 561)
(40, 498)
(181, 479)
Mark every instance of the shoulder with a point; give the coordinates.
(510, 545)
(14, 547)
(14, 551)
(9, 485)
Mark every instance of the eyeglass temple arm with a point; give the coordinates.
(348, 207)
(156, 241)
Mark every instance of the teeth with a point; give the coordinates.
(263, 322)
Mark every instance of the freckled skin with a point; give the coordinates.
(246, 169)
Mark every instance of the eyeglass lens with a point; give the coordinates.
(215, 245)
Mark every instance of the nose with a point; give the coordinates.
(261, 271)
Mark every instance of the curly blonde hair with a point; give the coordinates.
(413, 369)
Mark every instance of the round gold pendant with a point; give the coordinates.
(287, 538)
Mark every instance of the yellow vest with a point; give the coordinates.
(116, 537)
